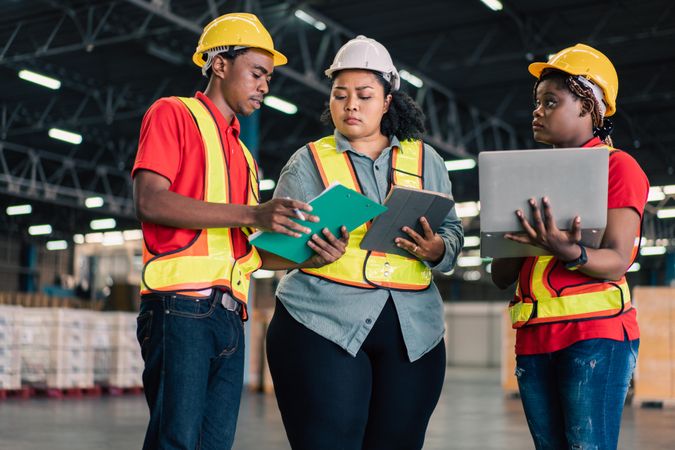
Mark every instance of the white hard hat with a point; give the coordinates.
(365, 53)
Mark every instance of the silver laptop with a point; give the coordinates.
(574, 179)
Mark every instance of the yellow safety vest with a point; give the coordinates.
(362, 268)
(538, 300)
(208, 260)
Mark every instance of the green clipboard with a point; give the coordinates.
(336, 206)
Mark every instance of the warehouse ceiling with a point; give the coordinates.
(115, 58)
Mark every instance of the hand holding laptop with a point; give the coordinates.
(544, 233)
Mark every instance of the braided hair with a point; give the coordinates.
(404, 118)
(602, 127)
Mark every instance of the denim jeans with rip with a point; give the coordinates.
(574, 398)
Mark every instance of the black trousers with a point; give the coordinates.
(330, 400)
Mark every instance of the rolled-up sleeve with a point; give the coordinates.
(451, 230)
(298, 179)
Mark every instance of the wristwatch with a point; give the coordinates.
(580, 261)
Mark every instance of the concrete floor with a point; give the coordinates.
(473, 414)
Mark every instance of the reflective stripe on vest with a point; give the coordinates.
(361, 268)
(208, 260)
(537, 301)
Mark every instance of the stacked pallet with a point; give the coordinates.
(117, 356)
(655, 371)
(10, 359)
(126, 363)
(55, 348)
(68, 352)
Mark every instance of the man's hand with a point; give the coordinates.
(429, 247)
(328, 249)
(276, 214)
(545, 234)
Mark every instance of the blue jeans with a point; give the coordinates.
(573, 398)
(194, 365)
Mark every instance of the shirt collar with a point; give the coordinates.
(595, 142)
(342, 143)
(220, 119)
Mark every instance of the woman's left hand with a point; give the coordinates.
(429, 247)
(545, 234)
(328, 248)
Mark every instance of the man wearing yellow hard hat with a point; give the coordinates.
(196, 194)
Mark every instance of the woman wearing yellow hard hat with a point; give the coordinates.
(356, 348)
(576, 349)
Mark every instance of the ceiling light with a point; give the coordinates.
(494, 5)
(78, 239)
(37, 230)
(93, 238)
(280, 105)
(65, 136)
(132, 235)
(469, 261)
(319, 25)
(471, 241)
(460, 164)
(412, 79)
(653, 251)
(57, 245)
(18, 210)
(267, 185)
(665, 213)
(113, 238)
(467, 209)
(471, 275)
(655, 194)
(102, 224)
(93, 202)
(42, 80)
(634, 267)
(669, 190)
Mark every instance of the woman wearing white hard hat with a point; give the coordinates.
(356, 348)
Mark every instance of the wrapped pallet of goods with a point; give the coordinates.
(126, 363)
(55, 348)
(10, 356)
(101, 343)
(34, 346)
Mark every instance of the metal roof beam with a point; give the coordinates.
(41, 175)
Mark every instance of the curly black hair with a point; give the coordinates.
(404, 119)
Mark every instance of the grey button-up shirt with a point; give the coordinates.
(345, 314)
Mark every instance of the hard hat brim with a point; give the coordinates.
(279, 59)
(538, 67)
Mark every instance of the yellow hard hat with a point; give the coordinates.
(589, 63)
(239, 30)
